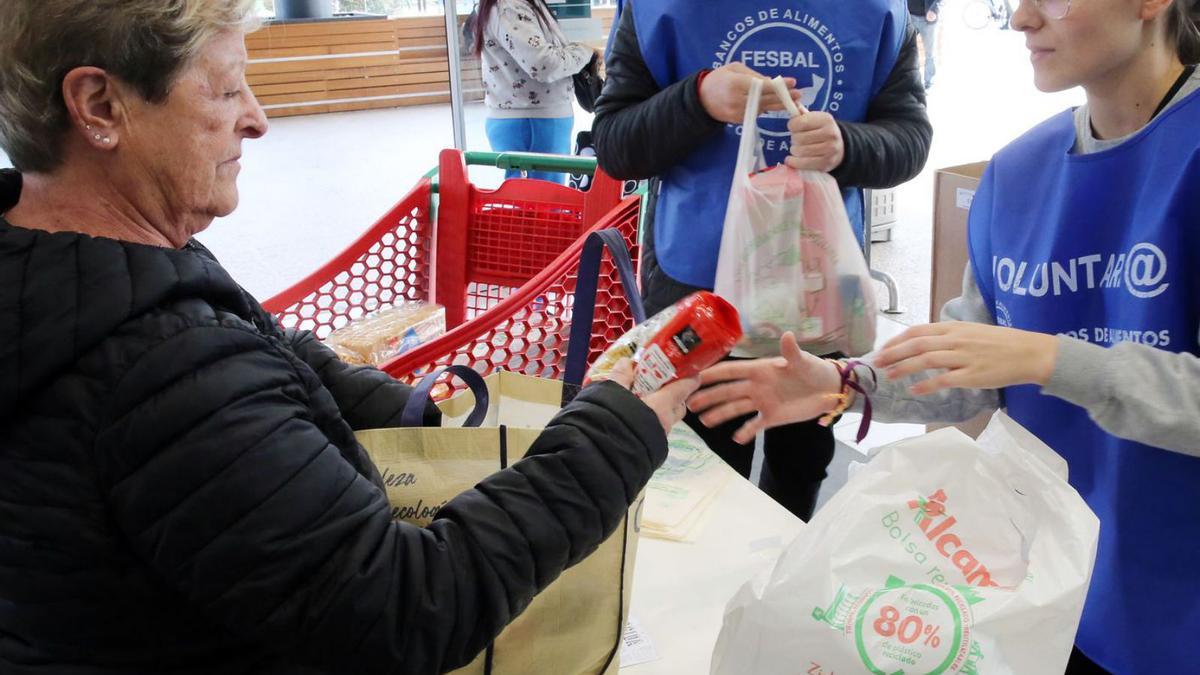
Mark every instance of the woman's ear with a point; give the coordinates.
(1152, 9)
(93, 101)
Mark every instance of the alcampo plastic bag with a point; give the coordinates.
(942, 555)
(789, 260)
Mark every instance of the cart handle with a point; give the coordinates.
(532, 161)
(524, 161)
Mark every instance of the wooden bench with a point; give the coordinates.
(335, 66)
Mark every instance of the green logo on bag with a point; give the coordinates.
(917, 628)
(838, 613)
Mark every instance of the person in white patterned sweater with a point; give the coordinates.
(527, 68)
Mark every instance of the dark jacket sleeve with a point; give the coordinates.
(225, 485)
(640, 130)
(367, 397)
(892, 144)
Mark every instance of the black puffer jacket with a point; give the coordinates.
(181, 491)
(641, 130)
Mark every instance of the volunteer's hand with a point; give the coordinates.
(973, 356)
(669, 403)
(931, 17)
(816, 142)
(790, 388)
(726, 90)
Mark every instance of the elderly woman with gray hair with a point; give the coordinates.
(182, 491)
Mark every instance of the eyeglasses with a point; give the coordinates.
(1054, 9)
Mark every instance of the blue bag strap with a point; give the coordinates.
(584, 311)
(414, 411)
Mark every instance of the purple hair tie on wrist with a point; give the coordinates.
(848, 382)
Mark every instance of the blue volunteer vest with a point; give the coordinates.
(841, 57)
(1103, 247)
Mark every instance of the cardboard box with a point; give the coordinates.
(953, 191)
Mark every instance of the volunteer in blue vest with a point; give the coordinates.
(678, 76)
(1080, 314)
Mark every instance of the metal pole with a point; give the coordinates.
(882, 277)
(456, 92)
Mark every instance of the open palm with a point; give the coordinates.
(793, 387)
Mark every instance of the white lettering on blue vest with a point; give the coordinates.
(1102, 336)
(1061, 276)
(784, 41)
(773, 59)
(1112, 273)
(1142, 271)
(1036, 290)
(1145, 271)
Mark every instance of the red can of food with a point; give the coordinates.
(696, 332)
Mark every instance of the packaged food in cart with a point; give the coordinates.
(386, 333)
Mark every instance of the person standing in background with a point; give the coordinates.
(528, 65)
(679, 73)
(925, 14)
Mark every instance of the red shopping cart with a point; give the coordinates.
(503, 262)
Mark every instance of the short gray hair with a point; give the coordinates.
(144, 43)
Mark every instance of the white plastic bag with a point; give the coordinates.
(789, 259)
(943, 555)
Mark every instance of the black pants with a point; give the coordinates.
(795, 456)
(1082, 665)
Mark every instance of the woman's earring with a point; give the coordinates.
(98, 137)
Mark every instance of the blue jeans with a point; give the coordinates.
(530, 134)
(928, 33)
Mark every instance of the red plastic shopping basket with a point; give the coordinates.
(527, 331)
(504, 249)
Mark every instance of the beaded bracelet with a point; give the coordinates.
(849, 383)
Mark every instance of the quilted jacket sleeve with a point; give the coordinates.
(228, 486)
(642, 130)
(892, 144)
(367, 397)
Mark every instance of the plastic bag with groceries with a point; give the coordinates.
(942, 555)
(789, 259)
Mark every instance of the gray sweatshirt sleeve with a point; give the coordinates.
(542, 56)
(1132, 391)
(891, 400)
